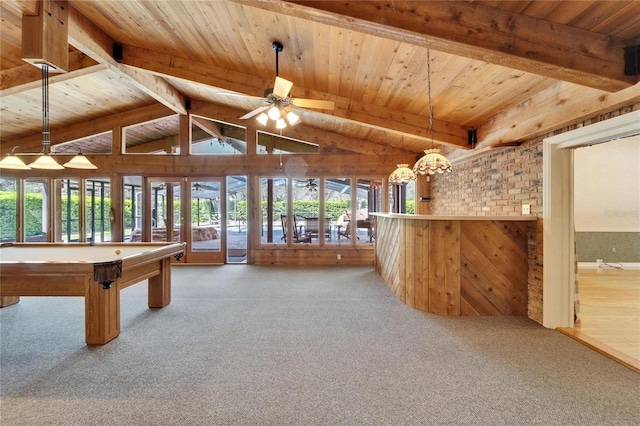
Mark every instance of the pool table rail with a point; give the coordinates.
(152, 262)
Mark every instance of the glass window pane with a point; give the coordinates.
(94, 144)
(367, 196)
(337, 203)
(274, 144)
(98, 205)
(159, 212)
(402, 198)
(205, 216)
(8, 210)
(153, 137)
(273, 207)
(177, 217)
(36, 211)
(132, 208)
(67, 209)
(210, 137)
(237, 219)
(305, 210)
(411, 198)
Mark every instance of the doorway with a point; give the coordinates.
(237, 235)
(206, 220)
(558, 233)
(208, 213)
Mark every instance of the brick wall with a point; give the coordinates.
(499, 182)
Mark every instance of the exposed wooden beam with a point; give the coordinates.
(377, 117)
(327, 140)
(478, 32)
(538, 114)
(165, 144)
(273, 142)
(208, 127)
(92, 127)
(26, 77)
(93, 42)
(23, 7)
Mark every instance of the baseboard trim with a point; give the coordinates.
(594, 265)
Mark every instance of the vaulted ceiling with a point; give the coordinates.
(508, 69)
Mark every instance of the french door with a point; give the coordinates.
(206, 221)
(194, 210)
(162, 210)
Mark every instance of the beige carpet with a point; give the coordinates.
(248, 345)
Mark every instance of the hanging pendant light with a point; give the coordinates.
(432, 162)
(12, 161)
(45, 161)
(402, 175)
(80, 162)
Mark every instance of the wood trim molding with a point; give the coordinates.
(557, 201)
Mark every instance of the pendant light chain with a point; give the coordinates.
(429, 96)
(432, 162)
(46, 130)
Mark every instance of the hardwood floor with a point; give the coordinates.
(610, 308)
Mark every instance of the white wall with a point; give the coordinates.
(607, 187)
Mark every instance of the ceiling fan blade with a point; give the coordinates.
(282, 87)
(254, 112)
(238, 95)
(313, 103)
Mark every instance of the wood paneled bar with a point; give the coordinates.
(455, 265)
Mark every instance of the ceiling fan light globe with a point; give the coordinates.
(274, 113)
(262, 119)
(292, 118)
(280, 123)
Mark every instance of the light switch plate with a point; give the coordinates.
(526, 209)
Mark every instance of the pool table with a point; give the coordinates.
(95, 271)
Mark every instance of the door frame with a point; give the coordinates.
(206, 257)
(147, 224)
(557, 202)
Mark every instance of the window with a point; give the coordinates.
(402, 198)
(132, 206)
(273, 207)
(306, 217)
(153, 137)
(36, 210)
(98, 205)
(337, 209)
(67, 210)
(236, 219)
(94, 144)
(274, 144)
(323, 210)
(368, 199)
(210, 137)
(8, 209)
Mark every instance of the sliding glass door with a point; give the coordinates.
(205, 219)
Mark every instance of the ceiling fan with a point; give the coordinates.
(311, 185)
(278, 102)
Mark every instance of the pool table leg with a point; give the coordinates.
(160, 286)
(8, 300)
(102, 313)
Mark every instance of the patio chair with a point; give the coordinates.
(298, 235)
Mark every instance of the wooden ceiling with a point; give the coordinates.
(509, 69)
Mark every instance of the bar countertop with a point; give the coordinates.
(453, 217)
